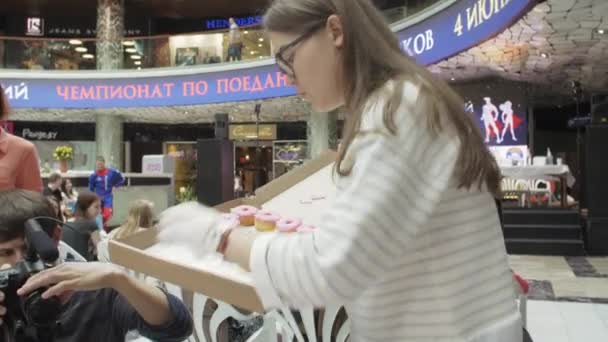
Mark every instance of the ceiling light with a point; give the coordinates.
(81, 49)
(128, 43)
(137, 62)
(453, 79)
(138, 68)
(259, 45)
(601, 31)
(88, 56)
(75, 42)
(131, 50)
(544, 55)
(253, 52)
(261, 39)
(135, 57)
(246, 32)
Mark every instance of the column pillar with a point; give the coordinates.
(322, 132)
(109, 138)
(110, 31)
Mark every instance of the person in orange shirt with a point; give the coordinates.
(19, 168)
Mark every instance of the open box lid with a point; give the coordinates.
(131, 252)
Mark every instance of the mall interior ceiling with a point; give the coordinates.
(158, 8)
(150, 8)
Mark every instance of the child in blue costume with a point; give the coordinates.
(102, 182)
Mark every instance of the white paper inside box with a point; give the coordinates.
(302, 193)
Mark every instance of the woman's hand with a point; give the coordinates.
(69, 277)
(192, 225)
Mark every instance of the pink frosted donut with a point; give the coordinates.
(246, 214)
(266, 221)
(288, 225)
(306, 229)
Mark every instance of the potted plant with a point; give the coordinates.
(63, 154)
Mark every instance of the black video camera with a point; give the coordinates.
(30, 318)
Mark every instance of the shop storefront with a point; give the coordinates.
(253, 153)
(282, 146)
(267, 151)
(62, 43)
(46, 136)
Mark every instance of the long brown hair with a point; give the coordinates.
(371, 56)
(140, 216)
(4, 108)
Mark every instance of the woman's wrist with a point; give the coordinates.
(223, 244)
(236, 246)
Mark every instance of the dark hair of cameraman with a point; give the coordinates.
(16, 207)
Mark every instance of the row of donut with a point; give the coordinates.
(265, 221)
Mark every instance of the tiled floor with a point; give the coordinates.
(568, 300)
(567, 322)
(565, 279)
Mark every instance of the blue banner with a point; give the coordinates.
(455, 29)
(217, 87)
(463, 25)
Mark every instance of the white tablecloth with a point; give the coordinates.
(538, 172)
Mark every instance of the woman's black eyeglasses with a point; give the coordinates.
(286, 64)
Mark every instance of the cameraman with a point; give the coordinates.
(101, 302)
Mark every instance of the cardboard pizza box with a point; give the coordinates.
(302, 193)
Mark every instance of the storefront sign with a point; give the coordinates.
(219, 24)
(250, 132)
(219, 87)
(68, 27)
(34, 27)
(38, 135)
(52, 131)
(459, 27)
(74, 31)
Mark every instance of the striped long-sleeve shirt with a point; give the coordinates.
(409, 255)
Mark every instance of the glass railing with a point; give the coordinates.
(210, 47)
(139, 52)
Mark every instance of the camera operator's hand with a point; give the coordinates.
(150, 302)
(69, 277)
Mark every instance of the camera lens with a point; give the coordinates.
(41, 312)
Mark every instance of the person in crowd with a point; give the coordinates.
(235, 42)
(101, 302)
(411, 244)
(141, 216)
(82, 234)
(238, 183)
(53, 187)
(57, 207)
(70, 195)
(19, 163)
(102, 182)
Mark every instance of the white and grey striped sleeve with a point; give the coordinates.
(395, 185)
